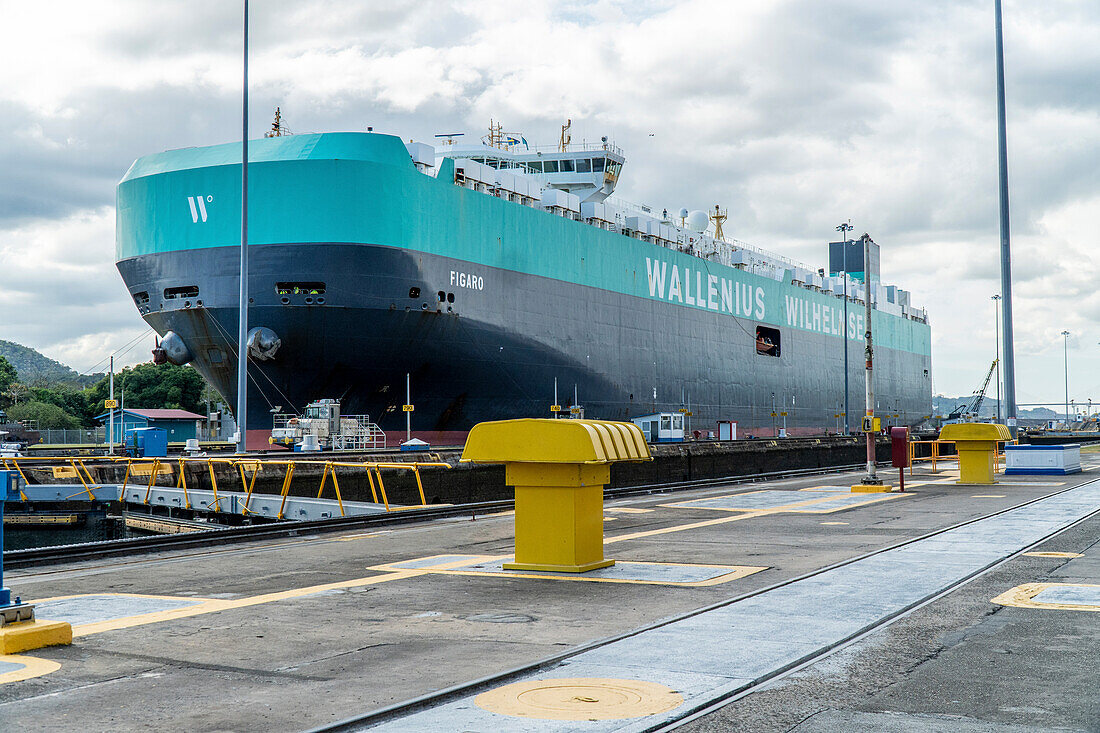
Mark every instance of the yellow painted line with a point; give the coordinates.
(466, 560)
(609, 519)
(736, 572)
(212, 605)
(988, 496)
(32, 667)
(834, 523)
(1053, 554)
(626, 510)
(805, 506)
(682, 527)
(349, 538)
(1022, 596)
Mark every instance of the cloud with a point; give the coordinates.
(794, 114)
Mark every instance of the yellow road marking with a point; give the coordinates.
(1022, 596)
(32, 667)
(736, 572)
(834, 523)
(792, 507)
(626, 510)
(1053, 554)
(682, 527)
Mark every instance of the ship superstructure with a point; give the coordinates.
(488, 271)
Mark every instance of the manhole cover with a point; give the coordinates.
(580, 699)
(501, 618)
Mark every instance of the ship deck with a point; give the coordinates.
(764, 607)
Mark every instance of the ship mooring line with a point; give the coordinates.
(433, 699)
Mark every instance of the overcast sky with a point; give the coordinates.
(794, 114)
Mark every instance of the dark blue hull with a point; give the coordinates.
(495, 355)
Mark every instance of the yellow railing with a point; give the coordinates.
(936, 457)
(241, 466)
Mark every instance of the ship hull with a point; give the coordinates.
(496, 355)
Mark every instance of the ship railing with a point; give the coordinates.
(247, 469)
(581, 147)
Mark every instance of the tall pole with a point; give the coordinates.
(869, 355)
(997, 350)
(1065, 362)
(408, 415)
(844, 229)
(242, 318)
(1006, 258)
(111, 431)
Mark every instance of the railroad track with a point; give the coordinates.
(698, 710)
(40, 556)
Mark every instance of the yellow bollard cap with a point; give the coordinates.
(965, 431)
(539, 440)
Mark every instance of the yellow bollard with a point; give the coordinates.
(559, 469)
(976, 444)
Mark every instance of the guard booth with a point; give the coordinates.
(662, 427)
(727, 430)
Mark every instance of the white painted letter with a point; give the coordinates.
(656, 273)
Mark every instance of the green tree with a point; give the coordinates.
(8, 375)
(70, 400)
(152, 386)
(47, 416)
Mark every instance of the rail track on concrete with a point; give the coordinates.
(40, 556)
(692, 712)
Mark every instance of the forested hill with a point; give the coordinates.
(37, 370)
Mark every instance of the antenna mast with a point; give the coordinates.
(566, 138)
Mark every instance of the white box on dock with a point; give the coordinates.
(1042, 459)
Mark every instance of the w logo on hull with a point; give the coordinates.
(198, 207)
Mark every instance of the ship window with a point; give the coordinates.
(550, 166)
(451, 299)
(300, 288)
(141, 298)
(767, 341)
(535, 166)
(567, 166)
(597, 165)
(441, 295)
(414, 292)
(186, 291)
(584, 165)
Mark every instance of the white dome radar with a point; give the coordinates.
(698, 220)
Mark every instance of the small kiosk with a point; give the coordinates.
(662, 427)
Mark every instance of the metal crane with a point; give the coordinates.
(969, 410)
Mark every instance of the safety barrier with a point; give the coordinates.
(248, 469)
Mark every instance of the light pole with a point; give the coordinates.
(997, 349)
(844, 229)
(242, 316)
(1006, 255)
(1065, 362)
(871, 478)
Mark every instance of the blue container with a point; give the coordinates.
(147, 442)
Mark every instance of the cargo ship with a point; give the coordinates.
(506, 280)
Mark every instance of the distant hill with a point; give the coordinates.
(37, 370)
